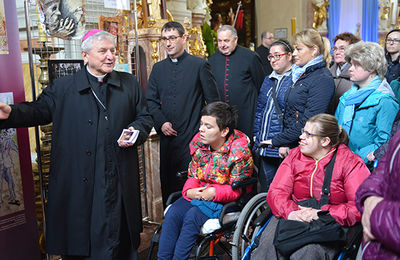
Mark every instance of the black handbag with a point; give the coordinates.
(291, 235)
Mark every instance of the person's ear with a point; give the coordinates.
(184, 37)
(84, 57)
(315, 51)
(225, 132)
(325, 142)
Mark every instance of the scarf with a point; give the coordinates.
(297, 71)
(355, 97)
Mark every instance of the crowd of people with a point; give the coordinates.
(293, 108)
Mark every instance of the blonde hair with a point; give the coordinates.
(311, 38)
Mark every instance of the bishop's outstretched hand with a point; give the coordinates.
(5, 110)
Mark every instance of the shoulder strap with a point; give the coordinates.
(277, 108)
(326, 187)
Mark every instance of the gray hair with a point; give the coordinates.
(87, 44)
(228, 28)
(370, 55)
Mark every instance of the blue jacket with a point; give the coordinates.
(310, 95)
(373, 120)
(266, 121)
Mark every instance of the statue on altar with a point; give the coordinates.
(320, 14)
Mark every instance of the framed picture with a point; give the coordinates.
(112, 25)
(61, 68)
(281, 33)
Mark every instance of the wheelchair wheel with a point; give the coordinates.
(245, 231)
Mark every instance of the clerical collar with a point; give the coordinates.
(99, 78)
(178, 58)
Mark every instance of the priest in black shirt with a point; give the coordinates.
(267, 38)
(239, 74)
(177, 90)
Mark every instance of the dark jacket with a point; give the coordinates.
(309, 96)
(385, 224)
(266, 121)
(393, 71)
(342, 84)
(72, 108)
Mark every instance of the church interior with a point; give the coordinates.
(48, 53)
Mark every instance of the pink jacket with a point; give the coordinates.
(301, 177)
(219, 169)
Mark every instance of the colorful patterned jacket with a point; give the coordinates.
(219, 169)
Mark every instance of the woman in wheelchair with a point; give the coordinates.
(301, 176)
(220, 157)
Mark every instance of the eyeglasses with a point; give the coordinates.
(341, 49)
(392, 41)
(171, 38)
(276, 56)
(308, 134)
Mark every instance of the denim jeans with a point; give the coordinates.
(180, 230)
(267, 170)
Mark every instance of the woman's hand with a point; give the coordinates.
(195, 193)
(304, 214)
(208, 194)
(369, 205)
(371, 156)
(266, 142)
(283, 152)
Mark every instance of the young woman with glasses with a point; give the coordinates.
(270, 108)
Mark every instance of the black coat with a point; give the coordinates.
(72, 108)
(239, 78)
(263, 52)
(310, 95)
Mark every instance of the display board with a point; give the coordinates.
(18, 224)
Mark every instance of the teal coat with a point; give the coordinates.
(395, 85)
(372, 121)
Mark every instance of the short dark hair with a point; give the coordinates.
(224, 114)
(347, 37)
(173, 26)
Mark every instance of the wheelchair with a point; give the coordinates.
(255, 217)
(205, 247)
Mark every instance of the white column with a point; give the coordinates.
(179, 11)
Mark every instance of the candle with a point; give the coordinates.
(293, 21)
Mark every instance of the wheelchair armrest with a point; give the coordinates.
(182, 175)
(225, 209)
(244, 183)
(173, 197)
(263, 217)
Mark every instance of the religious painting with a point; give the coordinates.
(11, 192)
(240, 14)
(3, 30)
(112, 25)
(61, 68)
(62, 18)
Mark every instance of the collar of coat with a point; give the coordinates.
(112, 79)
(180, 58)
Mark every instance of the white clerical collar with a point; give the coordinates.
(99, 78)
(174, 60)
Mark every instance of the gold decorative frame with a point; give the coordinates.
(114, 26)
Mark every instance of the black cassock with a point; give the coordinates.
(176, 93)
(239, 78)
(263, 52)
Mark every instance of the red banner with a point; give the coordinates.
(18, 224)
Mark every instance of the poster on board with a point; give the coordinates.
(11, 192)
(19, 238)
